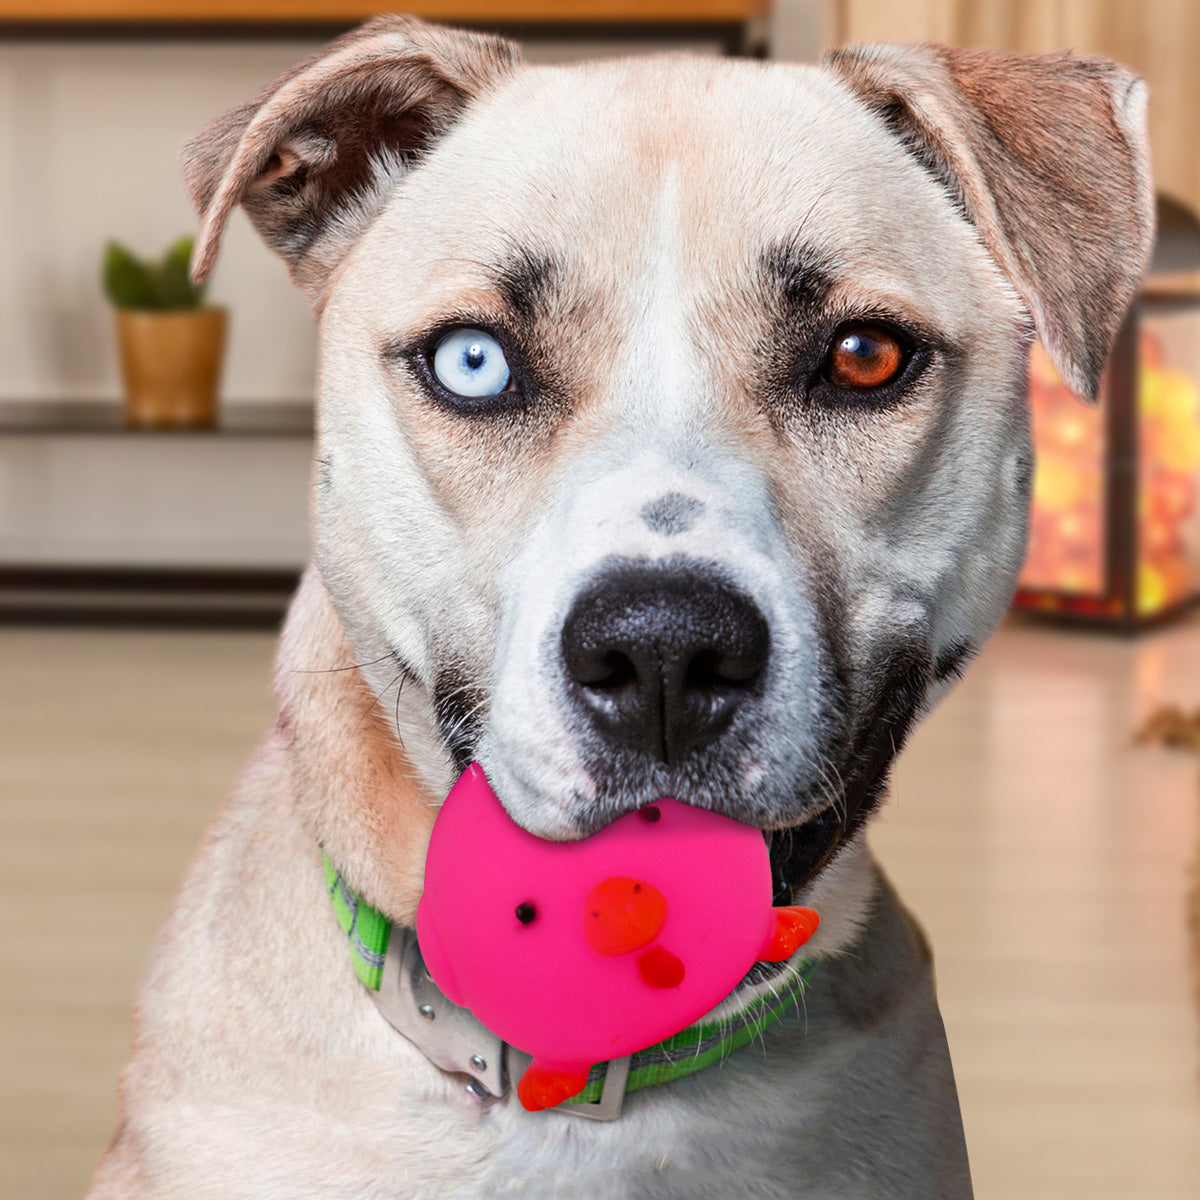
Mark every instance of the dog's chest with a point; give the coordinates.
(737, 1129)
(677, 1140)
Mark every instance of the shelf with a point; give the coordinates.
(474, 12)
(141, 598)
(88, 506)
(291, 419)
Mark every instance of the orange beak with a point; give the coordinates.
(622, 915)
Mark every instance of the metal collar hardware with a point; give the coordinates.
(455, 1040)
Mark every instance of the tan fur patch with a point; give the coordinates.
(353, 783)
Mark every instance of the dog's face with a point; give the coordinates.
(672, 429)
(671, 556)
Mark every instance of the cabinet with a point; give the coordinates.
(102, 519)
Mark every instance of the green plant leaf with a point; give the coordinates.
(128, 282)
(131, 282)
(175, 288)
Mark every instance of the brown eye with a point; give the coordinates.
(864, 357)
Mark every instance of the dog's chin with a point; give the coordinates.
(798, 848)
(803, 829)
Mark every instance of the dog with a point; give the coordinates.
(672, 440)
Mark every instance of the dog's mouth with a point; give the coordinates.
(799, 852)
(797, 855)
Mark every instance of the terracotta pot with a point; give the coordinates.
(171, 363)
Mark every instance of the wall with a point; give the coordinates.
(801, 29)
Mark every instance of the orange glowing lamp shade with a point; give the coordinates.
(1066, 535)
(1066, 568)
(1169, 475)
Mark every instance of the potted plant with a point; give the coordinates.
(171, 344)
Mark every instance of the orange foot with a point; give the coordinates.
(793, 927)
(544, 1087)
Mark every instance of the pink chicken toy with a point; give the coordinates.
(581, 952)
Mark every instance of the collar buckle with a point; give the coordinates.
(454, 1039)
(612, 1092)
(451, 1037)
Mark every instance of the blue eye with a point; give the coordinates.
(470, 363)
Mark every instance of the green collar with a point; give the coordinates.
(369, 934)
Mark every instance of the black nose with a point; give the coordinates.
(662, 656)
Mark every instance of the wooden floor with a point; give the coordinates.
(1045, 855)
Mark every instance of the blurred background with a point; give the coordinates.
(154, 461)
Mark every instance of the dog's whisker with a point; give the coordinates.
(836, 792)
(774, 991)
(336, 670)
(375, 701)
(396, 719)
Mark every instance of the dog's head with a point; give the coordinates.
(672, 426)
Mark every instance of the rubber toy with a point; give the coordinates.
(585, 951)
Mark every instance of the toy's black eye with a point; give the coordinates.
(650, 813)
(863, 357)
(525, 912)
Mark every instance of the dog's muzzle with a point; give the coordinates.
(659, 658)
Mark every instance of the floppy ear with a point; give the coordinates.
(314, 155)
(1046, 154)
